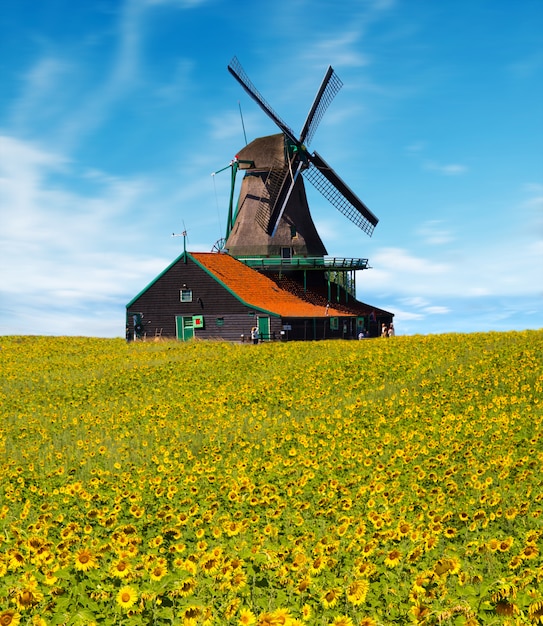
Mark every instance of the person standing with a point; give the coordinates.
(255, 334)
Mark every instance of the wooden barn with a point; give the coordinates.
(271, 271)
(208, 295)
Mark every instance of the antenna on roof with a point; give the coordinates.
(185, 238)
(242, 122)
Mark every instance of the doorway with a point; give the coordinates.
(184, 328)
(264, 328)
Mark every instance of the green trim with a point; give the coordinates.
(183, 254)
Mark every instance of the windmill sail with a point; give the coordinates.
(323, 178)
(331, 84)
(239, 74)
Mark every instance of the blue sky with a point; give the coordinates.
(113, 116)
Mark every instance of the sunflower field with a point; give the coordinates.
(345, 483)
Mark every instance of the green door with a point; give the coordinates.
(264, 328)
(184, 328)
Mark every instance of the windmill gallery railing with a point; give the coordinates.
(305, 263)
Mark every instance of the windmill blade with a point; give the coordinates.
(325, 180)
(282, 201)
(239, 74)
(279, 185)
(330, 86)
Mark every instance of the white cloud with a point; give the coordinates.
(452, 169)
(402, 262)
(39, 99)
(434, 234)
(62, 250)
(176, 4)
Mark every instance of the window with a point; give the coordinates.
(219, 321)
(186, 295)
(334, 323)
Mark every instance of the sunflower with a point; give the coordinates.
(85, 560)
(209, 565)
(330, 597)
(515, 562)
(493, 545)
(303, 584)
(9, 618)
(530, 551)
(27, 598)
(246, 617)
(158, 572)
(342, 620)
(367, 621)
(307, 611)
(318, 565)
(511, 513)
(404, 528)
(393, 558)
(266, 619)
(184, 588)
(281, 616)
(357, 592)
(49, 577)
(120, 569)
(535, 612)
(420, 613)
(431, 542)
(504, 607)
(239, 581)
(127, 597)
(16, 560)
(192, 613)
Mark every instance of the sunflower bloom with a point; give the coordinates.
(121, 568)
(246, 618)
(530, 551)
(27, 598)
(330, 597)
(85, 560)
(185, 587)
(9, 618)
(342, 620)
(503, 607)
(127, 597)
(158, 572)
(357, 592)
(393, 558)
(535, 612)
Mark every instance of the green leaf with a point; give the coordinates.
(82, 618)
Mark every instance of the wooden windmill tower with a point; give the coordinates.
(272, 218)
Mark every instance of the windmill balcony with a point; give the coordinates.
(305, 263)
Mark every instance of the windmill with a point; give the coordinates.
(272, 216)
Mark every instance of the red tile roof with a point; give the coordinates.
(256, 290)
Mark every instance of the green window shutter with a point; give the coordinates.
(198, 321)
